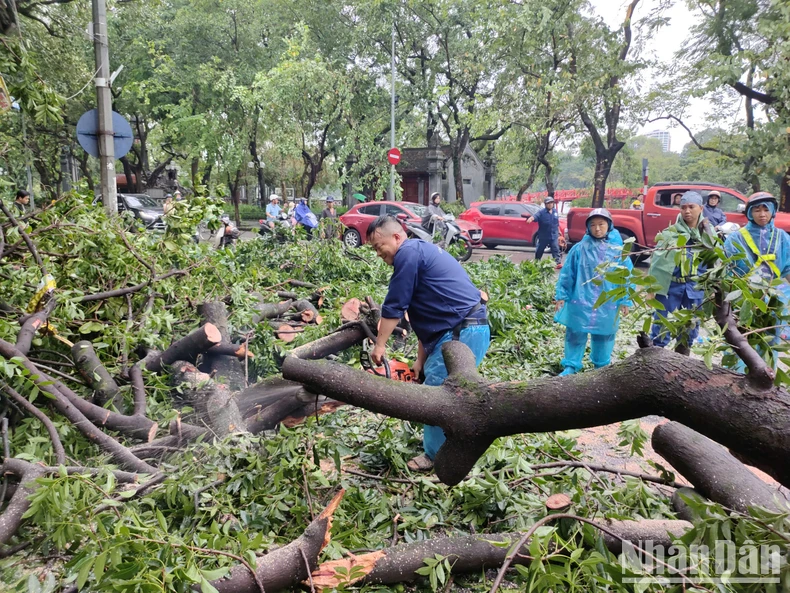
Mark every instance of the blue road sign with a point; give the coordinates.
(88, 133)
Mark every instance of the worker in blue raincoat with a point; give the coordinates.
(766, 249)
(712, 211)
(580, 284)
(548, 234)
(676, 272)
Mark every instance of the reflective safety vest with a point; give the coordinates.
(768, 258)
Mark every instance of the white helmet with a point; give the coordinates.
(273, 197)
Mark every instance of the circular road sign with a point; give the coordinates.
(393, 156)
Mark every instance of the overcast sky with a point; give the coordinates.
(672, 37)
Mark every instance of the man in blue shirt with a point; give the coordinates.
(273, 210)
(442, 303)
(548, 230)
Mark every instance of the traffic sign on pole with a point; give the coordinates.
(393, 156)
(88, 133)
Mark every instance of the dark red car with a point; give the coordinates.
(503, 224)
(358, 219)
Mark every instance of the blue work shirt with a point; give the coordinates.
(548, 224)
(433, 287)
(272, 211)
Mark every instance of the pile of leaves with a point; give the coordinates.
(245, 495)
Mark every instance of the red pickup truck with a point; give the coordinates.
(658, 213)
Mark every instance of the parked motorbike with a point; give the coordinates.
(450, 236)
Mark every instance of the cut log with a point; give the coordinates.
(350, 310)
(187, 348)
(473, 412)
(301, 284)
(713, 471)
(212, 403)
(286, 333)
(271, 310)
(682, 509)
(331, 344)
(466, 554)
(31, 325)
(285, 567)
(238, 350)
(91, 368)
(286, 295)
(225, 369)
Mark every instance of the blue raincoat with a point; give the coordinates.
(577, 288)
(304, 216)
(575, 285)
(715, 215)
(769, 240)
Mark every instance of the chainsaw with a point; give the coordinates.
(391, 369)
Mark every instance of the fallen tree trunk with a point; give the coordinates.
(715, 473)
(271, 310)
(722, 404)
(285, 567)
(213, 403)
(27, 473)
(224, 368)
(471, 553)
(90, 367)
(187, 348)
(331, 344)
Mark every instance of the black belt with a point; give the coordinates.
(469, 322)
(680, 280)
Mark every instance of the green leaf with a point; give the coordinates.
(85, 572)
(217, 573)
(98, 567)
(735, 294)
(161, 519)
(206, 587)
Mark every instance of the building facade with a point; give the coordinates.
(663, 137)
(430, 169)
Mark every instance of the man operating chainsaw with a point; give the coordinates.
(442, 303)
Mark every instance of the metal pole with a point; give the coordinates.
(104, 106)
(392, 114)
(28, 171)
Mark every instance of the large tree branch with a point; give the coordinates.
(721, 404)
(747, 91)
(691, 136)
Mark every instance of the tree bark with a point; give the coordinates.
(31, 325)
(285, 567)
(719, 403)
(331, 344)
(715, 473)
(213, 403)
(90, 367)
(224, 369)
(187, 348)
(27, 473)
(471, 553)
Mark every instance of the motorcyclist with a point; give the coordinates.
(712, 212)
(436, 217)
(229, 232)
(273, 210)
(305, 217)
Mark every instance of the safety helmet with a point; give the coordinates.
(273, 197)
(435, 194)
(330, 199)
(713, 194)
(761, 197)
(601, 213)
(168, 196)
(634, 203)
(548, 200)
(225, 218)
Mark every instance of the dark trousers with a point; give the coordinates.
(552, 244)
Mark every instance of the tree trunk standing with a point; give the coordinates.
(85, 170)
(234, 196)
(457, 148)
(530, 180)
(156, 173)
(606, 151)
(131, 186)
(255, 158)
(784, 189)
(193, 173)
(206, 176)
(603, 166)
